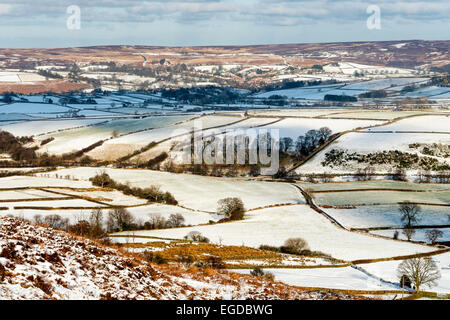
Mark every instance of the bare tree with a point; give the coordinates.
(399, 175)
(96, 217)
(420, 271)
(56, 221)
(96, 222)
(119, 219)
(295, 245)
(102, 179)
(410, 212)
(232, 208)
(157, 221)
(409, 233)
(196, 236)
(38, 219)
(325, 133)
(285, 144)
(433, 235)
(176, 220)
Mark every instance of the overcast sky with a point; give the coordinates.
(43, 23)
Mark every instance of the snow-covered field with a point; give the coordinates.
(199, 192)
(434, 123)
(69, 203)
(375, 184)
(307, 93)
(43, 180)
(250, 123)
(7, 118)
(349, 68)
(309, 113)
(275, 225)
(381, 115)
(33, 128)
(113, 198)
(387, 216)
(388, 271)
(432, 92)
(347, 278)
(386, 84)
(77, 139)
(367, 142)
(179, 136)
(353, 89)
(116, 148)
(20, 77)
(23, 107)
(169, 131)
(26, 194)
(356, 198)
(296, 127)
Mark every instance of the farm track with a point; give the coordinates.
(310, 202)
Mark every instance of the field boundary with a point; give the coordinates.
(405, 257)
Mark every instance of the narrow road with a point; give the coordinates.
(313, 206)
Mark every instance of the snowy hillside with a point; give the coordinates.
(40, 263)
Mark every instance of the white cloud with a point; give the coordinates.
(5, 8)
(269, 12)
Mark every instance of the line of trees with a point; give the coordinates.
(304, 145)
(340, 98)
(97, 225)
(152, 193)
(11, 145)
